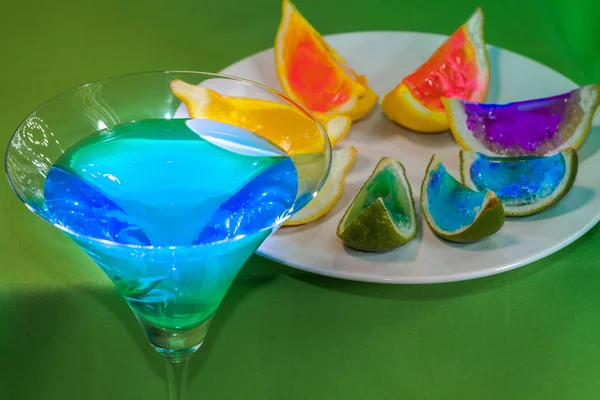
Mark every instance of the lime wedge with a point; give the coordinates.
(455, 212)
(525, 185)
(382, 216)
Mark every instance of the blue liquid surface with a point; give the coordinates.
(518, 181)
(183, 187)
(452, 205)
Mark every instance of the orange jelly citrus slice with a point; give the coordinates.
(459, 68)
(311, 72)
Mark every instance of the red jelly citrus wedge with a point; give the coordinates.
(311, 72)
(458, 68)
(533, 127)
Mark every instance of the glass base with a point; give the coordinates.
(175, 343)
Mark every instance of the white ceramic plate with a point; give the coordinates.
(386, 57)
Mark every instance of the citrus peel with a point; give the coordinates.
(314, 74)
(525, 185)
(458, 68)
(526, 128)
(330, 193)
(382, 216)
(455, 212)
(287, 127)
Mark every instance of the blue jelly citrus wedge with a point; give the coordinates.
(526, 128)
(525, 185)
(455, 212)
(382, 216)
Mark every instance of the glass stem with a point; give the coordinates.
(177, 372)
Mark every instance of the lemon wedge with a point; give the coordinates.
(285, 126)
(331, 191)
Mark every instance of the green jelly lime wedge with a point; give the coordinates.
(382, 216)
(525, 185)
(455, 212)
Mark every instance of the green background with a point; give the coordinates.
(532, 333)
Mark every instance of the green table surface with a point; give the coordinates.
(532, 333)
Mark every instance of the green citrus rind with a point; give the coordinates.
(374, 227)
(571, 168)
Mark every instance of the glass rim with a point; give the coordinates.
(283, 96)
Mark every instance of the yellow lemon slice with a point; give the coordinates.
(281, 124)
(331, 191)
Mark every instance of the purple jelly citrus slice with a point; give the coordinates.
(532, 127)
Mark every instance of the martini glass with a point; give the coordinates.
(169, 207)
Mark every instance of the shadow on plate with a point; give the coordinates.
(436, 141)
(265, 73)
(591, 144)
(499, 240)
(493, 94)
(406, 253)
(577, 197)
(337, 211)
(436, 291)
